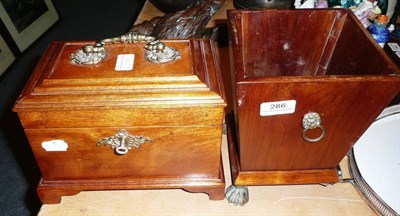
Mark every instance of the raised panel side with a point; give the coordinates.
(174, 152)
(275, 142)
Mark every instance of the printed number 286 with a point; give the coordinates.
(277, 106)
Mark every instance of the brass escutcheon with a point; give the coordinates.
(122, 142)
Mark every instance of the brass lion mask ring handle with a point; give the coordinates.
(312, 120)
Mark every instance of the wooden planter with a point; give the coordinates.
(288, 63)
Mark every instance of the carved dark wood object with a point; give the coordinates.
(188, 23)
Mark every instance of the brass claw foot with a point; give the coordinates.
(238, 195)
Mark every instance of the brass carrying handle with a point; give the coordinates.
(311, 121)
(122, 142)
(156, 51)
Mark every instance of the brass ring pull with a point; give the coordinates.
(121, 150)
(311, 121)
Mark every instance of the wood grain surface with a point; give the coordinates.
(178, 105)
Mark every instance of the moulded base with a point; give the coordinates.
(50, 192)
